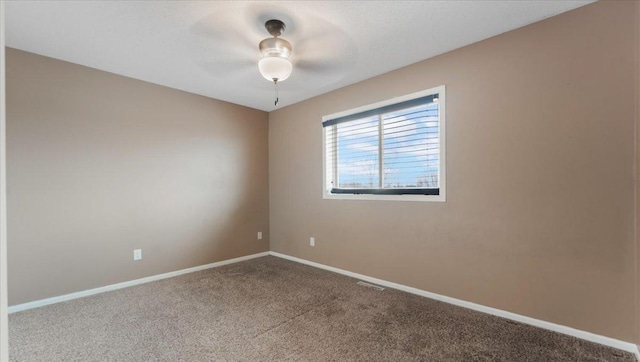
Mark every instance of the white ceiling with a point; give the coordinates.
(211, 47)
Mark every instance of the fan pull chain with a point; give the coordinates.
(275, 82)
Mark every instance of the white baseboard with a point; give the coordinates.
(607, 341)
(85, 293)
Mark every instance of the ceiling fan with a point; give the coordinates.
(275, 65)
(241, 47)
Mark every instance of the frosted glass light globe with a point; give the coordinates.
(275, 68)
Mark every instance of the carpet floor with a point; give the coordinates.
(270, 309)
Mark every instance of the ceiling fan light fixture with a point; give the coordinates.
(275, 65)
(275, 68)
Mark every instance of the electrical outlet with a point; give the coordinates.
(137, 254)
(312, 241)
(259, 235)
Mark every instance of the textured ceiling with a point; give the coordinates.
(211, 47)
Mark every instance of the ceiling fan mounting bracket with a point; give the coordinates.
(275, 27)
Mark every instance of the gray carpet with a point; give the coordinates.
(273, 309)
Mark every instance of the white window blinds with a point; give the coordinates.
(394, 149)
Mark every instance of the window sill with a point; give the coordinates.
(370, 197)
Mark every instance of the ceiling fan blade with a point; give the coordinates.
(221, 40)
(325, 47)
(323, 50)
(228, 68)
(224, 50)
(218, 29)
(320, 66)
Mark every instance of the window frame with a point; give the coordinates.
(440, 90)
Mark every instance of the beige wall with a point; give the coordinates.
(101, 164)
(4, 338)
(539, 218)
(638, 174)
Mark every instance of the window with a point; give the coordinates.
(392, 150)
